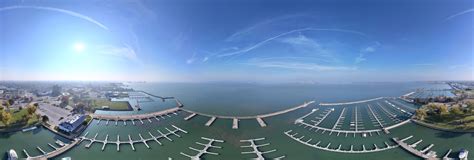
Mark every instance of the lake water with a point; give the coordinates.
(247, 99)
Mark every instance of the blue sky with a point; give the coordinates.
(244, 41)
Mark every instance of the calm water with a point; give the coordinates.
(245, 99)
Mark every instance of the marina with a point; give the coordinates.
(200, 152)
(117, 142)
(256, 148)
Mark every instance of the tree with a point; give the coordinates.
(45, 118)
(420, 114)
(456, 110)
(31, 110)
(6, 117)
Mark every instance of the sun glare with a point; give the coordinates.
(79, 47)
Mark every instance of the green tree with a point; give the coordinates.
(456, 110)
(31, 110)
(420, 114)
(45, 118)
(6, 117)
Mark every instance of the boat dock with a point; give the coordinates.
(57, 151)
(133, 117)
(235, 123)
(347, 103)
(261, 122)
(132, 142)
(256, 148)
(338, 149)
(209, 123)
(235, 119)
(408, 147)
(356, 124)
(190, 116)
(205, 150)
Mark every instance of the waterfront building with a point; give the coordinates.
(72, 124)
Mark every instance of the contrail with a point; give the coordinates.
(459, 14)
(131, 51)
(286, 33)
(75, 14)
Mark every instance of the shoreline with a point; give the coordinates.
(428, 125)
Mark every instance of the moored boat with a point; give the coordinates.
(463, 154)
(12, 155)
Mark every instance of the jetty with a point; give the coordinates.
(140, 117)
(48, 155)
(256, 148)
(410, 148)
(327, 147)
(205, 150)
(235, 119)
(347, 103)
(130, 141)
(209, 123)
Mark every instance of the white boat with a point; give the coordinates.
(29, 129)
(66, 158)
(463, 154)
(60, 143)
(12, 155)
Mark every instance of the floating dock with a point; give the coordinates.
(235, 119)
(235, 123)
(131, 141)
(205, 150)
(209, 123)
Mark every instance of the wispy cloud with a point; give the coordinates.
(279, 62)
(367, 50)
(424, 64)
(256, 45)
(310, 46)
(459, 14)
(205, 59)
(247, 30)
(124, 51)
(192, 59)
(68, 12)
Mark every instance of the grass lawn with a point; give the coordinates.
(461, 123)
(17, 119)
(113, 105)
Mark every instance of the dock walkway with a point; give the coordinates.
(235, 119)
(57, 151)
(256, 148)
(132, 117)
(338, 149)
(205, 150)
(409, 148)
(132, 142)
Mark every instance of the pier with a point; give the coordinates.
(205, 150)
(131, 141)
(235, 123)
(347, 103)
(355, 129)
(339, 119)
(57, 151)
(134, 116)
(261, 122)
(338, 149)
(409, 148)
(256, 148)
(235, 119)
(316, 123)
(209, 123)
(190, 116)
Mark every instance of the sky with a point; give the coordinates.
(276, 41)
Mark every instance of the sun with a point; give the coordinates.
(79, 47)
